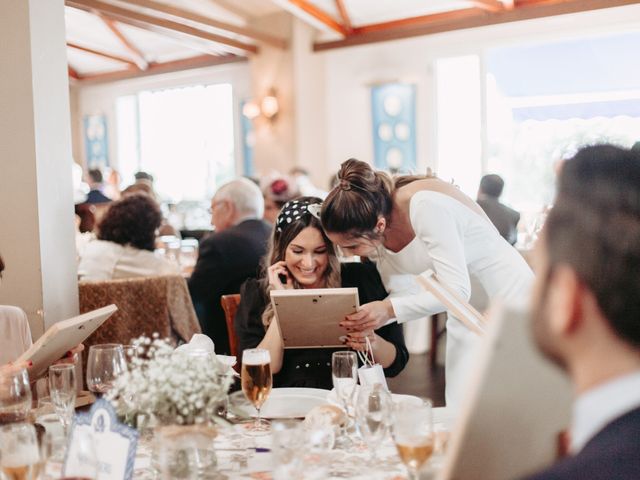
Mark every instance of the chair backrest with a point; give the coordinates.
(230, 306)
(145, 305)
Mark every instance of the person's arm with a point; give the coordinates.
(272, 341)
(384, 352)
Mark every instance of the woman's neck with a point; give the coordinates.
(399, 232)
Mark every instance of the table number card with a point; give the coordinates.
(113, 449)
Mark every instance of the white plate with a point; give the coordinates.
(284, 402)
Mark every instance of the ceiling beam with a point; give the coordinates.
(182, 14)
(157, 68)
(73, 73)
(136, 54)
(488, 5)
(102, 54)
(159, 25)
(415, 22)
(316, 13)
(346, 21)
(472, 18)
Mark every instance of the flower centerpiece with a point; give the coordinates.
(173, 387)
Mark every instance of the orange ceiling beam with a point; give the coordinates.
(346, 21)
(73, 73)
(464, 19)
(320, 15)
(160, 25)
(102, 54)
(188, 15)
(488, 5)
(136, 54)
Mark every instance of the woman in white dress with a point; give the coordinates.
(412, 225)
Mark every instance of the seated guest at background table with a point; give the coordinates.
(302, 253)
(228, 256)
(96, 185)
(504, 218)
(587, 309)
(413, 224)
(125, 243)
(277, 192)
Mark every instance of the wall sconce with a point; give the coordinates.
(268, 107)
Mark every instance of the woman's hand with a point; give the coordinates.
(274, 272)
(370, 316)
(358, 340)
(70, 356)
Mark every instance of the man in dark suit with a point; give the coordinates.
(96, 184)
(228, 256)
(587, 309)
(504, 218)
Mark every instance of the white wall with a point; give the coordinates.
(350, 71)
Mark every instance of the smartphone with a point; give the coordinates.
(283, 278)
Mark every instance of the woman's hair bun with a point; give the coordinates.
(357, 174)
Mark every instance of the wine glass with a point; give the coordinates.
(256, 382)
(373, 408)
(62, 388)
(15, 395)
(19, 452)
(344, 370)
(105, 363)
(413, 435)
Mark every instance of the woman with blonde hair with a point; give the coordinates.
(301, 256)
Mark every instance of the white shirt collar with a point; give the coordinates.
(598, 407)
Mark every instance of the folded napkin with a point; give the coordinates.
(202, 343)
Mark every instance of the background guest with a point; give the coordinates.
(125, 244)
(587, 309)
(96, 185)
(302, 254)
(277, 191)
(228, 256)
(504, 218)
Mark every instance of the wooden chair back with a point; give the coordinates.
(230, 306)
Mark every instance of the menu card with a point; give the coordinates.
(99, 446)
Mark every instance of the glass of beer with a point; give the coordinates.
(256, 384)
(15, 395)
(62, 387)
(104, 364)
(20, 454)
(413, 435)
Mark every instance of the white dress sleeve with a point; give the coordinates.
(435, 222)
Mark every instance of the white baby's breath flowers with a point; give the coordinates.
(174, 387)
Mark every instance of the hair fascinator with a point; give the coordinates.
(294, 210)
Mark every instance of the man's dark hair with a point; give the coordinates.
(143, 176)
(492, 185)
(95, 174)
(595, 228)
(133, 220)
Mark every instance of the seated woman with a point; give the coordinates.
(125, 244)
(303, 255)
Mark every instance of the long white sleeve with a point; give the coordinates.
(436, 225)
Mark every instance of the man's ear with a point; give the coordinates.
(381, 225)
(566, 296)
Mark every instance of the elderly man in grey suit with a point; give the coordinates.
(504, 218)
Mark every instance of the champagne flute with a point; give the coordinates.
(20, 455)
(413, 435)
(344, 371)
(373, 408)
(105, 363)
(15, 395)
(256, 382)
(62, 388)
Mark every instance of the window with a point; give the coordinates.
(184, 137)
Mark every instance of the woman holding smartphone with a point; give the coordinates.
(410, 225)
(301, 256)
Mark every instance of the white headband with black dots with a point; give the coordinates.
(293, 210)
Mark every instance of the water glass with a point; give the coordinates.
(105, 363)
(413, 435)
(344, 371)
(373, 409)
(15, 395)
(62, 388)
(19, 452)
(256, 382)
(287, 436)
